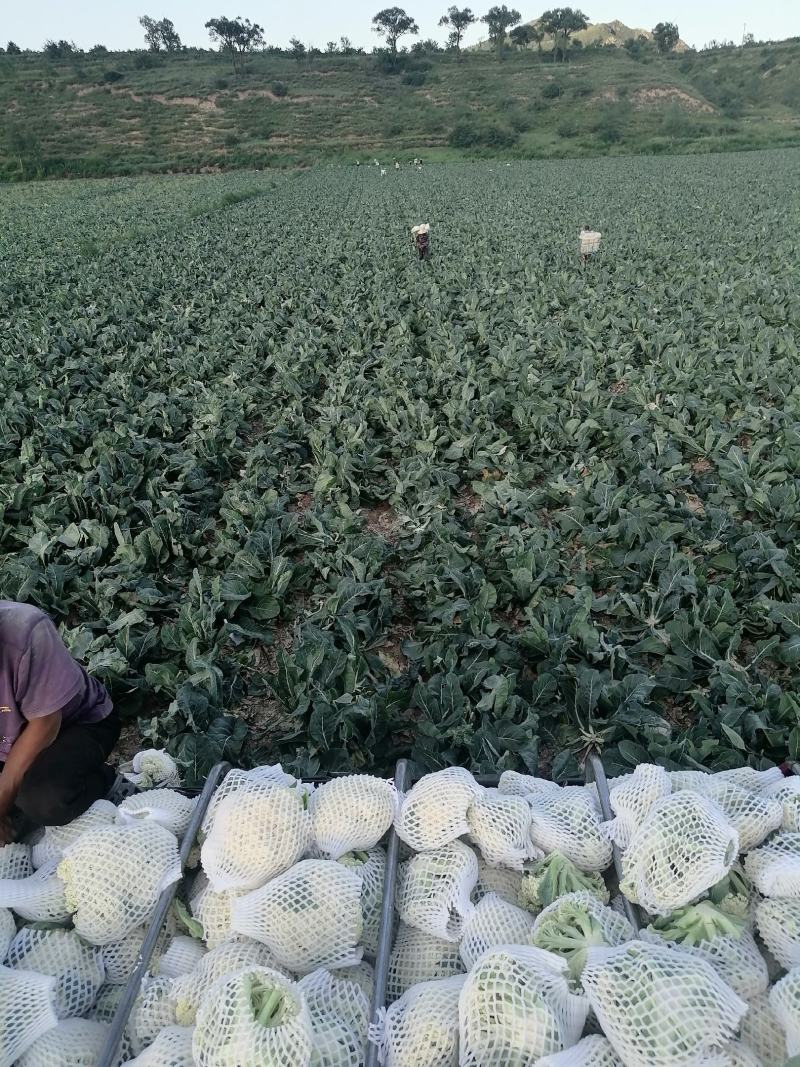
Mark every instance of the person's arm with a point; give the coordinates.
(38, 735)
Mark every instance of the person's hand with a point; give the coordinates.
(6, 831)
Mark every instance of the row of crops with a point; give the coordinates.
(290, 493)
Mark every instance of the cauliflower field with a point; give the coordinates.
(510, 943)
(293, 495)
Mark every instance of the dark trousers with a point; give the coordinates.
(65, 779)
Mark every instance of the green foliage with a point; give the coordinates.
(266, 469)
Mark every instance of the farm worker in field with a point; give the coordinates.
(588, 243)
(421, 236)
(57, 726)
(396, 165)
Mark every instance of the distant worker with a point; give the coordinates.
(421, 236)
(57, 727)
(396, 165)
(358, 162)
(588, 243)
(383, 172)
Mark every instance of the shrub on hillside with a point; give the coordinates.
(415, 77)
(280, 89)
(111, 76)
(551, 91)
(466, 134)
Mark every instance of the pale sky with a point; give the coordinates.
(114, 23)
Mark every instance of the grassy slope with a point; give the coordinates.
(189, 112)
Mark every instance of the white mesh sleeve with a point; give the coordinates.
(500, 880)
(736, 960)
(37, 898)
(514, 784)
(762, 1032)
(309, 917)
(632, 798)
(76, 966)
(351, 814)
(778, 922)
(500, 827)
(592, 1051)
(212, 910)
(774, 868)
(418, 957)
(73, 1043)
(8, 930)
(113, 877)
(516, 1007)
(786, 791)
(422, 1026)
(27, 1010)
(171, 1048)
(152, 768)
(784, 999)
(237, 781)
(433, 890)
(56, 839)
(163, 806)
(434, 812)
(569, 822)
(339, 1011)
(371, 868)
(683, 847)
(181, 956)
(153, 1009)
(753, 815)
(253, 1018)
(493, 922)
(660, 1007)
(188, 990)
(15, 861)
(255, 835)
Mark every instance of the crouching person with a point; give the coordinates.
(421, 235)
(57, 726)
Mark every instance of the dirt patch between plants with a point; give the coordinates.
(654, 96)
(382, 520)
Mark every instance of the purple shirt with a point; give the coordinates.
(38, 676)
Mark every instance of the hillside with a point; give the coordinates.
(130, 112)
(600, 33)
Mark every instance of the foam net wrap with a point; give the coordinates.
(569, 822)
(163, 806)
(253, 1018)
(774, 868)
(778, 922)
(422, 1026)
(308, 917)
(38, 898)
(433, 890)
(27, 1010)
(73, 1043)
(417, 957)
(57, 839)
(351, 814)
(77, 967)
(434, 812)
(684, 846)
(15, 861)
(516, 1007)
(592, 1051)
(172, 1048)
(784, 999)
(256, 834)
(188, 990)
(493, 922)
(500, 827)
(659, 1007)
(339, 1011)
(113, 877)
(371, 869)
(632, 798)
